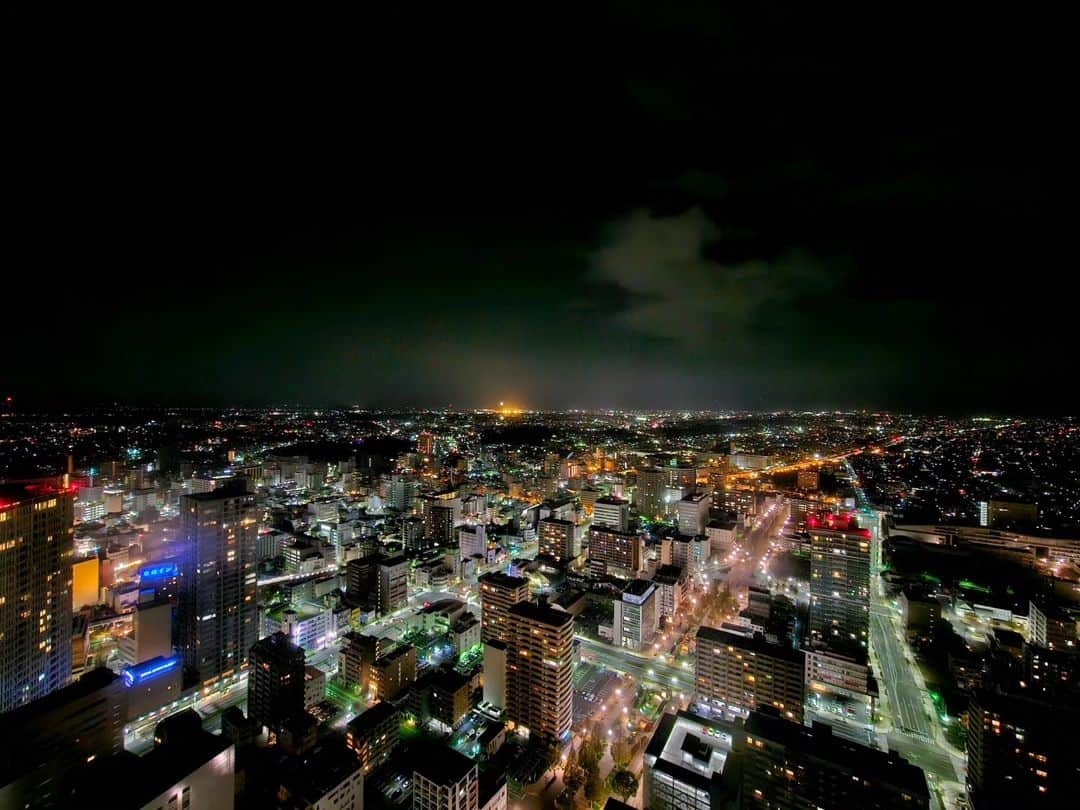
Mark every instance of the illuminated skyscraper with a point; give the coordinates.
(611, 512)
(839, 585)
(216, 618)
(36, 538)
(276, 682)
(539, 661)
(558, 538)
(498, 593)
(649, 494)
(425, 444)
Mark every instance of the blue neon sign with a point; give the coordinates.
(149, 670)
(165, 571)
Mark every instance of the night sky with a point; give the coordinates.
(657, 206)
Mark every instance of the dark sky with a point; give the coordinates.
(651, 205)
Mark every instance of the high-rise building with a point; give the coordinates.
(1051, 626)
(839, 585)
(738, 674)
(636, 615)
(539, 690)
(41, 742)
(557, 538)
(498, 593)
(275, 682)
(216, 608)
(445, 780)
(693, 512)
(393, 584)
(649, 494)
(36, 546)
(612, 512)
(615, 552)
(788, 765)
(1022, 752)
(671, 588)
(425, 444)
(362, 581)
(472, 540)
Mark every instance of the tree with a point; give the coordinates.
(573, 776)
(624, 783)
(622, 752)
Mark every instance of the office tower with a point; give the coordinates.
(275, 682)
(362, 581)
(36, 539)
(557, 538)
(686, 763)
(786, 765)
(693, 512)
(425, 444)
(671, 588)
(839, 585)
(216, 614)
(393, 584)
(401, 494)
(612, 512)
(539, 691)
(738, 674)
(472, 540)
(498, 593)
(443, 779)
(495, 673)
(637, 617)
(42, 741)
(374, 734)
(649, 494)
(1022, 752)
(614, 552)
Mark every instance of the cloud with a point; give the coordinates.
(672, 289)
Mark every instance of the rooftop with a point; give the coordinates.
(638, 587)
(498, 578)
(668, 574)
(755, 644)
(820, 743)
(443, 765)
(691, 747)
(374, 717)
(543, 614)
